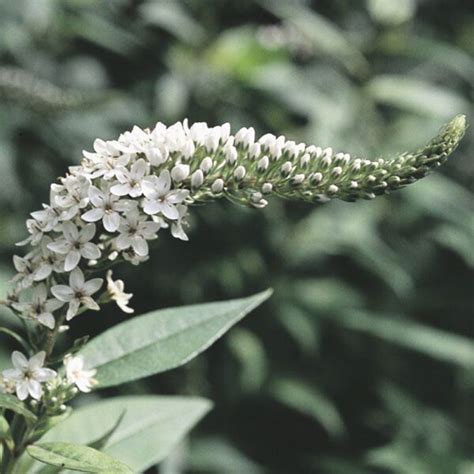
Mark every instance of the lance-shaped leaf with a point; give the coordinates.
(162, 340)
(76, 457)
(12, 403)
(150, 429)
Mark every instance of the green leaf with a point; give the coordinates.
(12, 403)
(162, 340)
(309, 401)
(102, 441)
(433, 342)
(151, 428)
(15, 336)
(76, 457)
(5, 434)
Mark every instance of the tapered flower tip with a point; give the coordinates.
(451, 134)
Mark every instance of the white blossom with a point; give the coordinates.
(40, 307)
(130, 181)
(28, 374)
(78, 292)
(115, 291)
(107, 208)
(134, 231)
(77, 375)
(160, 198)
(76, 244)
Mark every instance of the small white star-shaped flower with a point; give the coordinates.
(75, 373)
(79, 292)
(107, 208)
(28, 375)
(76, 244)
(160, 198)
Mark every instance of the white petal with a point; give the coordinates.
(111, 222)
(42, 272)
(169, 211)
(63, 293)
(93, 215)
(90, 303)
(139, 168)
(37, 361)
(163, 184)
(13, 374)
(47, 319)
(22, 390)
(90, 251)
(120, 189)
(60, 246)
(73, 308)
(44, 374)
(70, 231)
(96, 196)
(19, 361)
(151, 207)
(87, 233)
(92, 286)
(76, 279)
(34, 388)
(123, 242)
(140, 246)
(72, 259)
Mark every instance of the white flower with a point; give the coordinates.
(28, 375)
(135, 230)
(78, 292)
(25, 271)
(160, 197)
(131, 180)
(177, 225)
(76, 244)
(75, 373)
(40, 308)
(107, 207)
(47, 261)
(70, 196)
(116, 293)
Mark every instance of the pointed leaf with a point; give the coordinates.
(162, 340)
(76, 457)
(151, 428)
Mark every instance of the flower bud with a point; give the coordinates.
(286, 168)
(197, 178)
(206, 164)
(231, 155)
(298, 179)
(267, 188)
(180, 172)
(217, 185)
(263, 163)
(333, 189)
(239, 173)
(254, 150)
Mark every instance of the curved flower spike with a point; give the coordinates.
(133, 187)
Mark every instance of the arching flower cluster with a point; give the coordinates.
(111, 206)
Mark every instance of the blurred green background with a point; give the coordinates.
(363, 360)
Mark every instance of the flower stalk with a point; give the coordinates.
(107, 210)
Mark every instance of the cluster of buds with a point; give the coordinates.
(126, 191)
